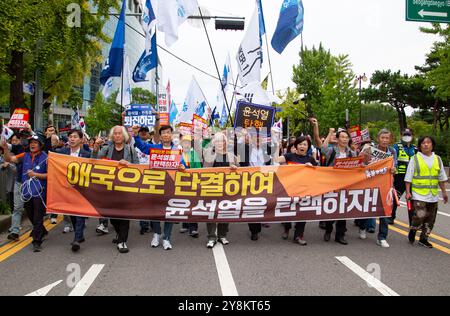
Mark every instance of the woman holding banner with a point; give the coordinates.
(125, 154)
(217, 156)
(300, 157)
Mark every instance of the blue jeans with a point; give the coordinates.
(371, 223)
(382, 230)
(16, 219)
(167, 229)
(79, 224)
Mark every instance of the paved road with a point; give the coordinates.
(269, 266)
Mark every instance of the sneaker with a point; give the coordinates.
(425, 243)
(122, 247)
(37, 248)
(75, 246)
(116, 240)
(224, 241)
(13, 237)
(254, 237)
(371, 231)
(167, 245)
(211, 244)
(67, 229)
(53, 221)
(300, 241)
(341, 241)
(155, 240)
(362, 234)
(102, 229)
(285, 235)
(412, 236)
(383, 243)
(183, 230)
(194, 234)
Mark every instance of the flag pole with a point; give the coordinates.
(157, 77)
(123, 61)
(268, 53)
(217, 68)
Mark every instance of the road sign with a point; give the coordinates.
(428, 11)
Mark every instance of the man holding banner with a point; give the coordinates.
(165, 133)
(120, 151)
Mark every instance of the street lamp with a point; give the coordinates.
(359, 80)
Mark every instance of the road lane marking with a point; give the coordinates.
(14, 247)
(437, 237)
(85, 283)
(226, 280)
(366, 276)
(44, 291)
(436, 246)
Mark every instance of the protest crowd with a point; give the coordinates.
(418, 174)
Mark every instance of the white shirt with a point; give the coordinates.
(429, 160)
(75, 153)
(257, 157)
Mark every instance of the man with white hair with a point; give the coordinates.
(125, 154)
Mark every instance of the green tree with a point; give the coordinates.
(104, 114)
(376, 112)
(35, 35)
(294, 110)
(327, 82)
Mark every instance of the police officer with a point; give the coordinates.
(405, 151)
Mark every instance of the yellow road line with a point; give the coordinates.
(436, 246)
(15, 246)
(437, 237)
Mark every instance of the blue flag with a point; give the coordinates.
(201, 109)
(114, 63)
(290, 24)
(262, 23)
(146, 63)
(173, 112)
(214, 116)
(223, 117)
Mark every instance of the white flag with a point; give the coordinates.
(254, 93)
(108, 88)
(249, 57)
(194, 103)
(126, 85)
(171, 14)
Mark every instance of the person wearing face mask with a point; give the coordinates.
(405, 150)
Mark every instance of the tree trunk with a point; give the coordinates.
(401, 117)
(435, 117)
(16, 70)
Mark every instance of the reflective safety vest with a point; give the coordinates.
(402, 159)
(426, 180)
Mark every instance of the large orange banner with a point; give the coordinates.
(102, 188)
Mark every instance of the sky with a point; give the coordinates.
(373, 33)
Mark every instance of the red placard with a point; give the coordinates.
(165, 159)
(185, 128)
(349, 163)
(199, 125)
(19, 119)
